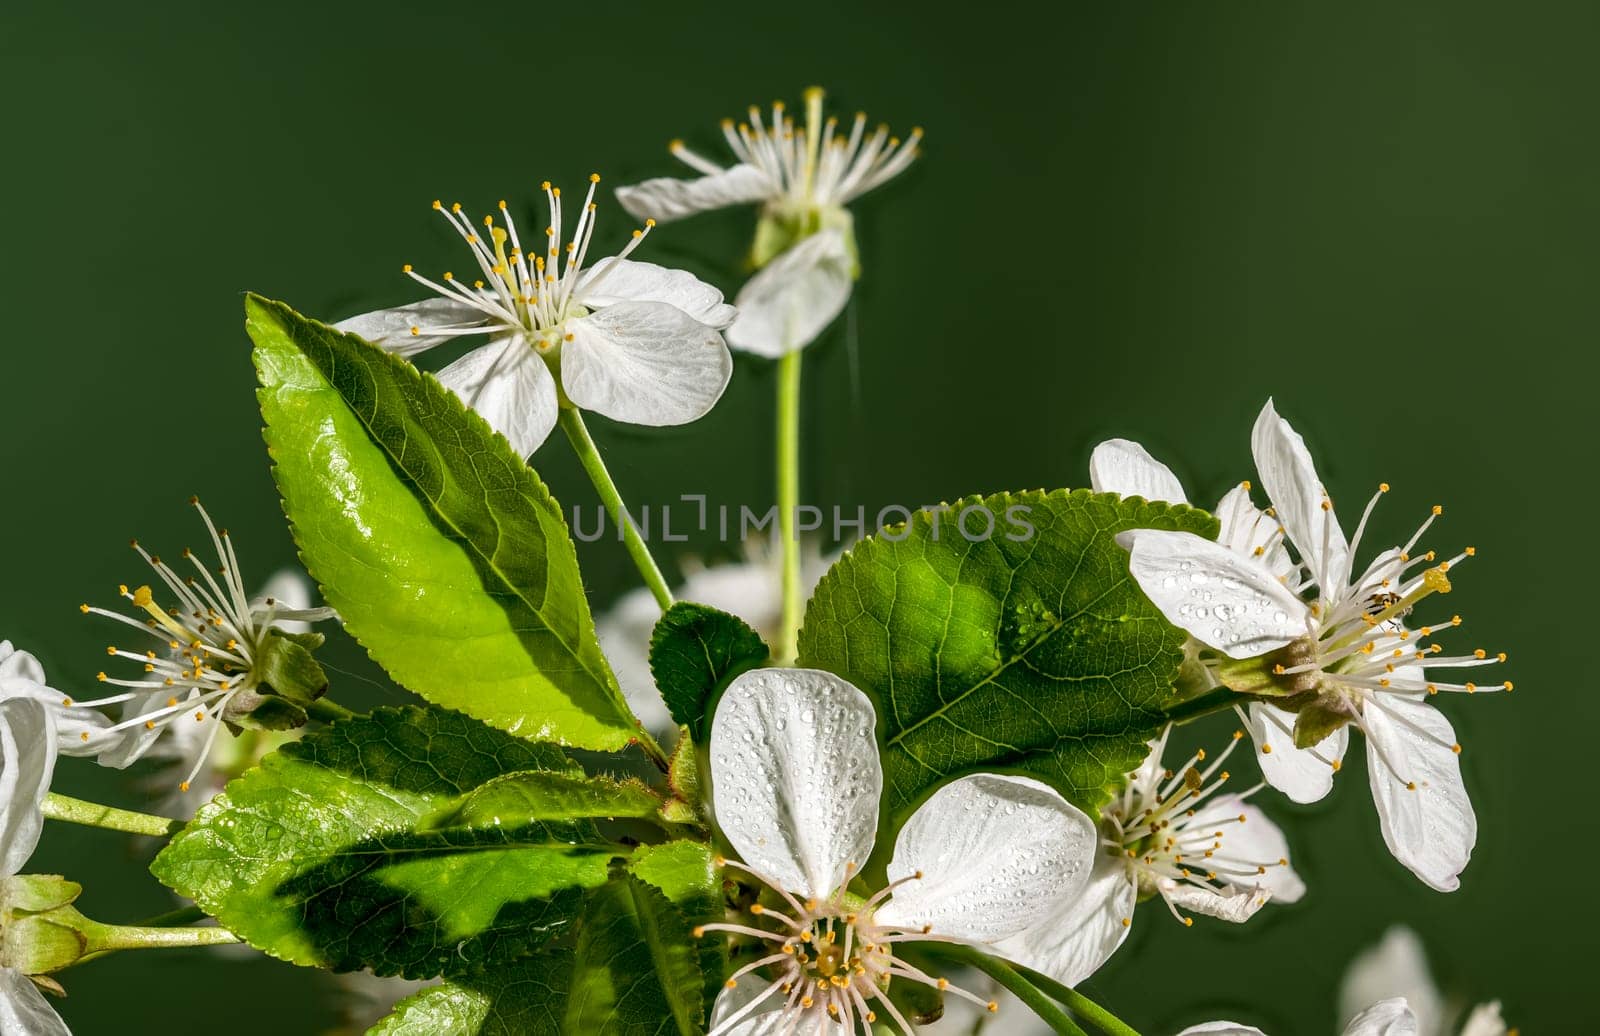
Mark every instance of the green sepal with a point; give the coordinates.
(32, 893)
(1319, 717)
(39, 944)
(694, 651)
(683, 777)
(288, 667)
(782, 226)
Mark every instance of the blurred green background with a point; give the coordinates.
(1132, 220)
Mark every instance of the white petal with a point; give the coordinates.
(1230, 903)
(794, 298)
(645, 363)
(1221, 1029)
(1257, 840)
(796, 776)
(1298, 497)
(27, 762)
(1125, 467)
(16, 664)
(1396, 967)
(667, 198)
(510, 386)
(1303, 774)
(1246, 528)
(1384, 1018)
(1433, 829)
(24, 1010)
(993, 851)
(1071, 941)
(1223, 600)
(390, 329)
(611, 281)
(1485, 1020)
(70, 724)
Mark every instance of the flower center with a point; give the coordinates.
(530, 290)
(826, 956)
(1158, 829)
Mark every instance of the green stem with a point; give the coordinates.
(328, 711)
(1047, 1010)
(1219, 700)
(138, 937)
(589, 457)
(1080, 1005)
(92, 814)
(788, 470)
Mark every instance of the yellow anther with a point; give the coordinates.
(149, 724)
(437, 204)
(456, 208)
(184, 786)
(991, 1007)
(84, 735)
(1456, 748)
(649, 223)
(1383, 487)
(594, 177)
(1471, 552)
(1438, 509)
(1266, 749)
(1411, 785)
(1508, 686)
(1188, 922)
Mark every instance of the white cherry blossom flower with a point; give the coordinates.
(1172, 834)
(796, 779)
(637, 342)
(205, 655)
(751, 590)
(1333, 644)
(1398, 967)
(27, 762)
(802, 177)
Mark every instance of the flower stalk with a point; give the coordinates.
(788, 471)
(93, 814)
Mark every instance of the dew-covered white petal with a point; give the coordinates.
(1071, 940)
(992, 852)
(1228, 602)
(667, 198)
(796, 776)
(27, 763)
(511, 387)
(1303, 774)
(1423, 810)
(411, 329)
(1396, 967)
(24, 1010)
(645, 363)
(1384, 1018)
(611, 281)
(1300, 500)
(795, 297)
(1124, 467)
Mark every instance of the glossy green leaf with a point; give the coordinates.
(526, 998)
(319, 856)
(443, 552)
(694, 652)
(1032, 653)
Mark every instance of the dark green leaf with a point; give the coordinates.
(637, 967)
(539, 795)
(694, 652)
(444, 554)
(319, 855)
(1033, 653)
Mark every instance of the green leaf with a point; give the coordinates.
(635, 931)
(539, 795)
(1035, 654)
(636, 969)
(319, 856)
(694, 652)
(443, 552)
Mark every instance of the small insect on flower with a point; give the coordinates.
(200, 660)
